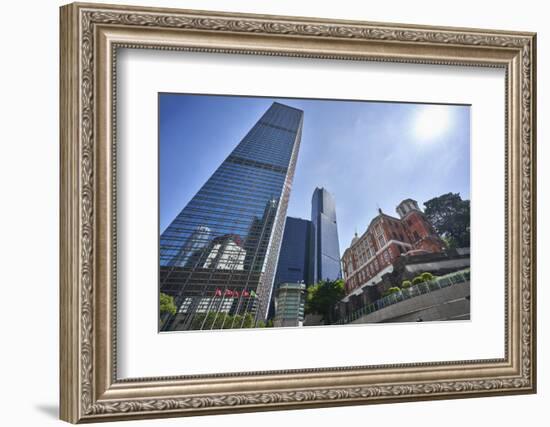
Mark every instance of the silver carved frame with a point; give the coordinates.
(90, 36)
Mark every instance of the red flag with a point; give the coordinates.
(218, 292)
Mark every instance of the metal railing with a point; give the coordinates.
(408, 293)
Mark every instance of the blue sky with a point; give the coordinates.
(367, 154)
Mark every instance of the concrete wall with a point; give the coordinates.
(451, 264)
(313, 320)
(450, 303)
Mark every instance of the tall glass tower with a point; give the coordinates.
(326, 249)
(295, 258)
(219, 255)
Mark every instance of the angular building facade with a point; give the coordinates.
(326, 248)
(295, 257)
(219, 255)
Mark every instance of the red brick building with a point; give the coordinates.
(372, 254)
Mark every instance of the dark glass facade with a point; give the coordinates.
(295, 257)
(326, 249)
(219, 254)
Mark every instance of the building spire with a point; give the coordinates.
(355, 237)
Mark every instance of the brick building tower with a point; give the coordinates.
(371, 255)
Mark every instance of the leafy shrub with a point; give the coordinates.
(391, 290)
(406, 284)
(417, 280)
(427, 276)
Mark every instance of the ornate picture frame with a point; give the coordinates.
(90, 37)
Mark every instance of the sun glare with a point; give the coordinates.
(431, 122)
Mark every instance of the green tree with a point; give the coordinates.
(450, 216)
(406, 284)
(322, 297)
(248, 321)
(167, 304)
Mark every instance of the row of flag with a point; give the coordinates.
(228, 293)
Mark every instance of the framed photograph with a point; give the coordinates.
(266, 212)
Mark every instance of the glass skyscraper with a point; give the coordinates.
(326, 249)
(219, 255)
(295, 257)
